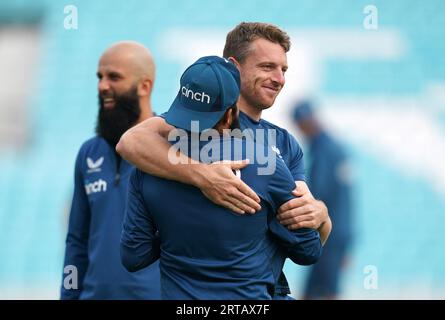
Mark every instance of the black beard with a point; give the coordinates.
(112, 123)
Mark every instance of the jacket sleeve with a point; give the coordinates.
(302, 246)
(140, 244)
(76, 251)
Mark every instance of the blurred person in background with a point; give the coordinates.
(126, 75)
(329, 180)
(259, 52)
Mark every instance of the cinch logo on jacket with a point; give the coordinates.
(96, 186)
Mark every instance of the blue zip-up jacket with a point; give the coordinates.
(285, 145)
(95, 227)
(288, 149)
(207, 251)
(290, 152)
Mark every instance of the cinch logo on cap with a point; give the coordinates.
(197, 96)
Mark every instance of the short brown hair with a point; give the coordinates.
(239, 39)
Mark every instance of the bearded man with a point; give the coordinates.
(92, 267)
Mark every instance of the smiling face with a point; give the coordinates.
(125, 80)
(116, 78)
(262, 74)
(119, 104)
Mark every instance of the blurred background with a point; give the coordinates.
(375, 69)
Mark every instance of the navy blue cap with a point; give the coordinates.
(302, 111)
(208, 88)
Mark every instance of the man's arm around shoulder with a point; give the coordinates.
(146, 146)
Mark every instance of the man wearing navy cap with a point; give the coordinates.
(205, 250)
(329, 180)
(199, 101)
(259, 52)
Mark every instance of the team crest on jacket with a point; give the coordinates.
(277, 151)
(94, 166)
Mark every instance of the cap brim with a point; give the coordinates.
(181, 117)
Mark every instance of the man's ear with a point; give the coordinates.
(230, 116)
(234, 61)
(145, 86)
(227, 119)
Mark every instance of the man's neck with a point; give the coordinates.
(146, 112)
(251, 111)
